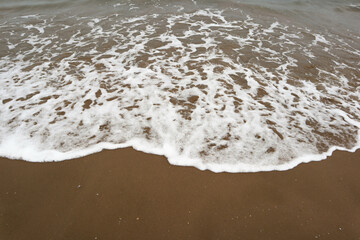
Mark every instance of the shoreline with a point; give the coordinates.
(56, 156)
(126, 194)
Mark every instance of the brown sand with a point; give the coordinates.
(125, 194)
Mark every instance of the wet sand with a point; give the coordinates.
(125, 194)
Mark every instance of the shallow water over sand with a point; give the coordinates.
(228, 86)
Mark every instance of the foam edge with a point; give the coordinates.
(138, 145)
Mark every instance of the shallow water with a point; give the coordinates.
(220, 85)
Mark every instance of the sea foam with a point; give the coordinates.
(213, 89)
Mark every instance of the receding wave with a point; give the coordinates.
(219, 90)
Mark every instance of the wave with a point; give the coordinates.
(218, 90)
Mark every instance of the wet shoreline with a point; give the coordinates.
(123, 193)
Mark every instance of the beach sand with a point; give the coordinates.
(125, 194)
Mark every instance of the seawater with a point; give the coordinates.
(233, 86)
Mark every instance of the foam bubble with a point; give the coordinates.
(213, 89)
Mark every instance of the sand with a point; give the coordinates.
(125, 194)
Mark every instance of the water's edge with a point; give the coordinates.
(55, 156)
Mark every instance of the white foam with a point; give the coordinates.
(170, 85)
(321, 39)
